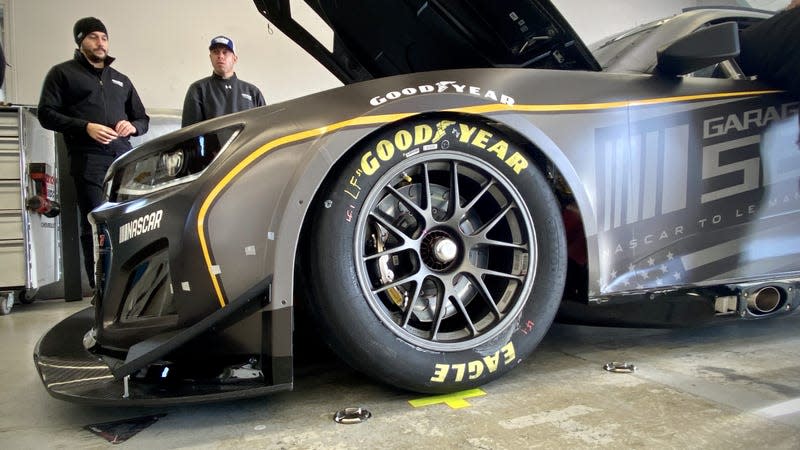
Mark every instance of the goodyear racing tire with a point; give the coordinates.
(436, 256)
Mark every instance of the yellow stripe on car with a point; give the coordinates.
(387, 118)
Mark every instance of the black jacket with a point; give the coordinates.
(771, 50)
(75, 93)
(215, 96)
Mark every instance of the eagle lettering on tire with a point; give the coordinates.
(437, 255)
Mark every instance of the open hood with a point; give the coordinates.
(373, 39)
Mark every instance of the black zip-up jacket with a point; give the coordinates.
(75, 93)
(771, 50)
(215, 96)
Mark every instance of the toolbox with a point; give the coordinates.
(30, 250)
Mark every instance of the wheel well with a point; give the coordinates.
(577, 273)
(577, 285)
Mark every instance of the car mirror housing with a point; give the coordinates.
(700, 49)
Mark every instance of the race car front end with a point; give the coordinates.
(157, 331)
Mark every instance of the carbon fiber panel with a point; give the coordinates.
(79, 376)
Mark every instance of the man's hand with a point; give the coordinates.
(124, 128)
(101, 133)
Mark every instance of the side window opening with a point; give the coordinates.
(724, 70)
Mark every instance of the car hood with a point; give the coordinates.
(373, 39)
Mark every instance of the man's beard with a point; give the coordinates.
(93, 58)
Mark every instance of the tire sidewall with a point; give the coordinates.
(351, 326)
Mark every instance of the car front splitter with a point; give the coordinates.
(72, 373)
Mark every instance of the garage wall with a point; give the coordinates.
(594, 20)
(162, 44)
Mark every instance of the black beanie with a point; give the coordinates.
(85, 26)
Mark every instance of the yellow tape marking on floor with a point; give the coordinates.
(456, 400)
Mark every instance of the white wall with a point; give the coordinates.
(162, 45)
(594, 20)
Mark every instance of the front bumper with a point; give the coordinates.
(70, 372)
(159, 334)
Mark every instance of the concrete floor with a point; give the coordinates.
(732, 386)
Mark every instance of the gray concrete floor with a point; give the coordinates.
(732, 386)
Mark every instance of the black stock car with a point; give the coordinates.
(480, 170)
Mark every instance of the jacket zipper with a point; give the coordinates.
(105, 104)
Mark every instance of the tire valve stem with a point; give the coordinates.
(406, 178)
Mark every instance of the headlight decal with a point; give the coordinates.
(386, 118)
(178, 164)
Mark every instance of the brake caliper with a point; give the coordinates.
(398, 297)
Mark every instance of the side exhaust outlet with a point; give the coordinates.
(765, 300)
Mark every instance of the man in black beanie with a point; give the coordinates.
(97, 109)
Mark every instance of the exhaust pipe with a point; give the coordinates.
(765, 300)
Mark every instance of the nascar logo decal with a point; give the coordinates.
(141, 225)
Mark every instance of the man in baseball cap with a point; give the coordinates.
(223, 41)
(222, 92)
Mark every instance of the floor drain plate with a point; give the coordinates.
(351, 415)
